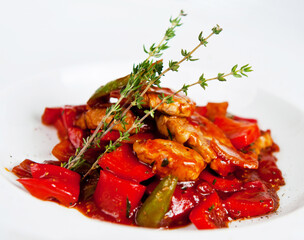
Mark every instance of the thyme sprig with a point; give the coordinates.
(202, 81)
(142, 77)
(173, 66)
(155, 50)
(142, 72)
(138, 77)
(168, 99)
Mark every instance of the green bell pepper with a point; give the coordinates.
(157, 204)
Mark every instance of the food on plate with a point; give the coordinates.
(143, 155)
(235, 183)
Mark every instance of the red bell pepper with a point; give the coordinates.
(117, 197)
(62, 132)
(63, 119)
(51, 182)
(51, 115)
(257, 185)
(76, 136)
(214, 110)
(48, 171)
(201, 110)
(23, 170)
(237, 118)
(220, 183)
(63, 150)
(240, 133)
(182, 202)
(246, 175)
(209, 213)
(110, 136)
(269, 171)
(256, 200)
(69, 116)
(123, 163)
(47, 189)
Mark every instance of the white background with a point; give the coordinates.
(38, 36)
(85, 40)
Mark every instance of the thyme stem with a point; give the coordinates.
(92, 137)
(182, 60)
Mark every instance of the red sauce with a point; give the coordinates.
(89, 209)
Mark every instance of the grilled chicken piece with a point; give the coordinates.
(205, 137)
(182, 105)
(231, 155)
(224, 167)
(91, 118)
(209, 129)
(183, 131)
(170, 157)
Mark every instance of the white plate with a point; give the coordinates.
(91, 42)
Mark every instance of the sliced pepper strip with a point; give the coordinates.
(50, 189)
(51, 182)
(157, 204)
(106, 89)
(124, 164)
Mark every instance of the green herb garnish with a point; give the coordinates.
(128, 208)
(165, 162)
(211, 208)
(144, 75)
